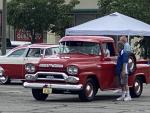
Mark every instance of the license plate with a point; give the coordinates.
(47, 90)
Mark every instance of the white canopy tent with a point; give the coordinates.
(113, 24)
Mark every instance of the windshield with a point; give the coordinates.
(80, 47)
(51, 51)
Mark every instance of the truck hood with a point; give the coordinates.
(70, 59)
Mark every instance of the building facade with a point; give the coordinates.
(1, 4)
(0, 23)
(86, 10)
(1, 18)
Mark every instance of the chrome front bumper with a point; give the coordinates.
(53, 86)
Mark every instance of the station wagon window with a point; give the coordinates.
(80, 47)
(35, 52)
(51, 51)
(17, 53)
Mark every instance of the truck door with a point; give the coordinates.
(109, 79)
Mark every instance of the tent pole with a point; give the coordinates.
(117, 38)
(128, 38)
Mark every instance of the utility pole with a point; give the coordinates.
(4, 23)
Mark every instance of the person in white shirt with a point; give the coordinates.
(106, 50)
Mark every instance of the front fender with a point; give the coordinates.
(133, 77)
(84, 76)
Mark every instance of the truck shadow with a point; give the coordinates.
(13, 84)
(76, 99)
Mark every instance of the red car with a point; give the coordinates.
(12, 65)
(83, 67)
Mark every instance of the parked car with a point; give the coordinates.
(19, 43)
(12, 44)
(12, 65)
(82, 68)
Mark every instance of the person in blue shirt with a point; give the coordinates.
(122, 72)
(127, 49)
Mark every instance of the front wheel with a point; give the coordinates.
(6, 80)
(39, 95)
(89, 91)
(137, 88)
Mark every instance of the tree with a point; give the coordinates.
(138, 9)
(144, 44)
(37, 16)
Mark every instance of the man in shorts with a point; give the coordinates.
(122, 72)
(127, 49)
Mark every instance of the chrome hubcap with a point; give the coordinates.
(137, 87)
(5, 80)
(89, 90)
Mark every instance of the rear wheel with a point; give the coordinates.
(6, 80)
(89, 91)
(39, 95)
(137, 88)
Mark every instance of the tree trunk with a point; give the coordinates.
(33, 40)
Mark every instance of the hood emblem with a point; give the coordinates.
(52, 65)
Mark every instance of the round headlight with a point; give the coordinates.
(30, 68)
(72, 70)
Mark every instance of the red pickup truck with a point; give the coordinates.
(83, 67)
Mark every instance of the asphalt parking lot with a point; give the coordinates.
(16, 99)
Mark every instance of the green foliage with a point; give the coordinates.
(144, 44)
(139, 9)
(37, 16)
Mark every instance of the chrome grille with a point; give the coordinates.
(51, 69)
(51, 76)
(57, 76)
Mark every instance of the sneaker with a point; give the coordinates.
(127, 98)
(120, 98)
